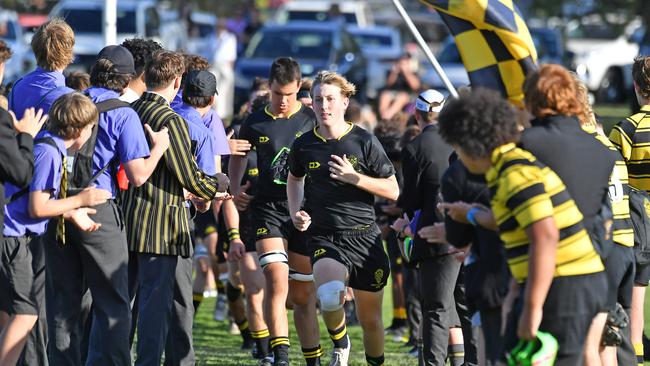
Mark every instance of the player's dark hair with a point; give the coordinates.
(478, 122)
(285, 70)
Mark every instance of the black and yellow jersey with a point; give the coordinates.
(524, 191)
(272, 137)
(632, 138)
(334, 205)
(619, 192)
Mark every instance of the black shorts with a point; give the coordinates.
(272, 220)
(619, 267)
(570, 307)
(246, 230)
(642, 274)
(17, 289)
(205, 224)
(360, 251)
(223, 245)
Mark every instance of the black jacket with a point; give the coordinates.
(424, 160)
(16, 158)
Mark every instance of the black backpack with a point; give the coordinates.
(640, 214)
(82, 167)
(600, 228)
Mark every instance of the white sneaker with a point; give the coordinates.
(340, 355)
(221, 308)
(234, 329)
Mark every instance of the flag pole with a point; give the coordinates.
(425, 48)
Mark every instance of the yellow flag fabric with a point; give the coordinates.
(494, 43)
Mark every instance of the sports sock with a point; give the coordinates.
(313, 355)
(339, 337)
(375, 361)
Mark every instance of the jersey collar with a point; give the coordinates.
(267, 110)
(645, 108)
(320, 137)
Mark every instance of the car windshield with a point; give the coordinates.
(350, 18)
(86, 20)
(546, 43)
(298, 44)
(369, 40)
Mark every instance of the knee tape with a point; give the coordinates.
(232, 293)
(331, 295)
(301, 277)
(276, 256)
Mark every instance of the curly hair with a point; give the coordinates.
(641, 75)
(551, 91)
(70, 114)
(478, 122)
(142, 51)
(5, 51)
(103, 74)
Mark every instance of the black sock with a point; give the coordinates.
(197, 298)
(244, 330)
(261, 338)
(375, 361)
(280, 348)
(221, 288)
(339, 337)
(313, 355)
(456, 354)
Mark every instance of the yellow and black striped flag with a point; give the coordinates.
(494, 43)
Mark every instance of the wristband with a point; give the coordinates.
(233, 234)
(470, 215)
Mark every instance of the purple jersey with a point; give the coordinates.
(202, 138)
(38, 89)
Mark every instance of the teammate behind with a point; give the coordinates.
(347, 167)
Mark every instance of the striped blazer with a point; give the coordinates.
(155, 215)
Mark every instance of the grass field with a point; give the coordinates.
(215, 346)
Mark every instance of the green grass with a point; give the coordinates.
(215, 346)
(611, 114)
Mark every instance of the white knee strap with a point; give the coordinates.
(301, 277)
(331, 295)
(276, 256)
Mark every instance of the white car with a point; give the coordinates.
(354, 12)
(599, 58)
(134, 19)
(22, 60)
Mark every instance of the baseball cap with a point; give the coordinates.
(430, 101)
(200, 83)
(121, 58)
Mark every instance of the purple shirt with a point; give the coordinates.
(38, 89)
(178, 100)
(120, 134)
(47, 177)
(202, 138)
(212, 121)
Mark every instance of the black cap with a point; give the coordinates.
(120, 57)
(200, 84)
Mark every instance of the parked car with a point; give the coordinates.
(134, 19)
(381, 46)
(354, 12)
(315, 45)
(22, 59)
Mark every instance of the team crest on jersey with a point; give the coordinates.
(319, 252)
(314, 165)
(262, 231)
(254, 172)
(354, 161)
(263, 139)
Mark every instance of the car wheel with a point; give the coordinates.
(611, 88)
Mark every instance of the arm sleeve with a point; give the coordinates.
(409, 198)
(451, 187)
(296, 169)
(181, 163)
(621, 136)
(47, 169)
(132, 143)
(378, 163)
(16, 150)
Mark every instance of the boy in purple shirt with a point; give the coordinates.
(52, 45)
(99, 261)
(28, 211)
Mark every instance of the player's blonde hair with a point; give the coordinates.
(329, 77)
